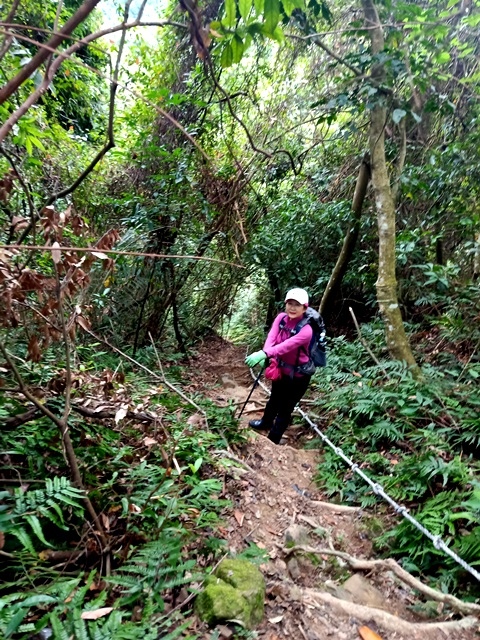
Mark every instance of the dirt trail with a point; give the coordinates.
(273, 496)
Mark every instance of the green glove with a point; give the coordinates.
(258, 357)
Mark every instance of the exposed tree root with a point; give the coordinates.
(335, 507)
(387, 620)
(359, 564)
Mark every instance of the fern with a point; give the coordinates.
(22, 509)
(154, 568)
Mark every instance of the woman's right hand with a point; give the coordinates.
(258, 357)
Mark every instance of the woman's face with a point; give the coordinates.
(294, 309)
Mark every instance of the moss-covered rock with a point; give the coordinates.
(236, 591)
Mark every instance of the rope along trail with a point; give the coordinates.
(378, 490)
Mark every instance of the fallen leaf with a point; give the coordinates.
(105, 522)
(239, 517)
(121, 413)
(367, 634)
(56, 254)
(275, 620)
(99, 254)
(96, 613)
(149, 442)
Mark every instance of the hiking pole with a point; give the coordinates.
(255, 383)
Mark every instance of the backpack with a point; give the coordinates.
(317, 349)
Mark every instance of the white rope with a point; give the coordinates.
(378, 490)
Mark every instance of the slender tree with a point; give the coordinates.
(396, 338)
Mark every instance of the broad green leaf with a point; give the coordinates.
(34, 601)
(271, 14)
(276, 35)
(472, 21)
(244, 7)
(443, 57)
(237, 48)
(230, 14)
(288, 7)
(226, 59)
(259, 4)
(398, 114)
(24, 538)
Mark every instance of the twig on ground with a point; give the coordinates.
(232, 456)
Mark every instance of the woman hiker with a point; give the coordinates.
(291, 351)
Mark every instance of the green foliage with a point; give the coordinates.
(30, 508)
(419, 440)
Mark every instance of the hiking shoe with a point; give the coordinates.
(258, 425)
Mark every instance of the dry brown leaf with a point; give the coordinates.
(56, 253)
(367, 634)
(149, 442)
(99, 254)
(239, 516)
(96, 613)
(105, 522)
(83, 323)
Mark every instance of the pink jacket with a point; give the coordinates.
(293, 350)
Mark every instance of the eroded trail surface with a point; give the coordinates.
(277, 505)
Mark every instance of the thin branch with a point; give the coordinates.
(316, 40)
(110, 143)
(171, 386)
(117, 252)
(66, 54)
(365, 343)
(66, 341)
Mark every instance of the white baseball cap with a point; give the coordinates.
(299, 295)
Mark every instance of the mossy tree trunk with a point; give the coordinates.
(396, 338)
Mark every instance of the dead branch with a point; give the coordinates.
(42, 54)
(384, 619)
(360, 564)
(110, 413)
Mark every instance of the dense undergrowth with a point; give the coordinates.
(419, 439)
(148, 460)
(157, 487)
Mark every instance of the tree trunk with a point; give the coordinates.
(396, 338)
(350, 239)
